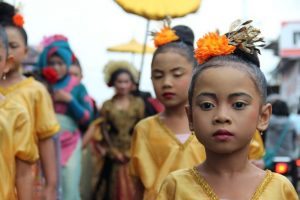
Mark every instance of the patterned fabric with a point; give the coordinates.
(115, 181)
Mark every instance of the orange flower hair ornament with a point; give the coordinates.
(241, 35)
(18, 20)
(165, 35)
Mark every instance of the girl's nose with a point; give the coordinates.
(222, 116)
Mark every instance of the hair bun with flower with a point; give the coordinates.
(165, 35)
(9, 15)
(242, 37)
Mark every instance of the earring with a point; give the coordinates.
(4, 77)
(261, 133)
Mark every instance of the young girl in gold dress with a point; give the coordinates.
(17, 147)
(227, 103)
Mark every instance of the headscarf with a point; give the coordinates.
(56, 44)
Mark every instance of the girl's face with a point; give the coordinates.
(171, 74)
(226, 110)
(123, 84)
(17, 46)
(59, 65)
(5, 60)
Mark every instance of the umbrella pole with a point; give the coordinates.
(144, 51)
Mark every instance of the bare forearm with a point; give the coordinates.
(48, 160)
(24, 180)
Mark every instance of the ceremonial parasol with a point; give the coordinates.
(158, 10)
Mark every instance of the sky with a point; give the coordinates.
(94, 25)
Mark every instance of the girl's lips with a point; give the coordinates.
(168, 95)
(222, 135)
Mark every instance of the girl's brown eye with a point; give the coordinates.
(206, 106)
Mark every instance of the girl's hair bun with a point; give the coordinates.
(7, 13)
(185, 34)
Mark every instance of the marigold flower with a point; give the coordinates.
(165, 36)
(18, 20)
(50, 74)
(212, 44)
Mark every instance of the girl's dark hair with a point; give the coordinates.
(116, 74)
(183, 46)
(251, 66)
(280, 108)
(7, 13)
(3, 38)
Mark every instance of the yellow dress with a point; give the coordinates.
(156, 152)
(188, 184)
(16, 141)
(35, 98)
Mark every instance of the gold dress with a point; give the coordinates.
(115, 181)
(36, 100)
(188, 184)
(16, 141)
(156, 152)
(34, 97)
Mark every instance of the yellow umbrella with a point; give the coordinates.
(132, 46)
(159, 9)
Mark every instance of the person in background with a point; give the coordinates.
(73, 108)
(119, 114)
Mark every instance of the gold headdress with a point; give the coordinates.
(113, 66)
(241, 36)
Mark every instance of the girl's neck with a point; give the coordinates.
(12, 78)
(177, 112)
(176, 120)
(121, 97)
(226, 164)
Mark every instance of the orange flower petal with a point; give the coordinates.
(166, 35)
(212, 44)
(18, 20)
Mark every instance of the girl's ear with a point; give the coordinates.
(264, 117)
(189, 114)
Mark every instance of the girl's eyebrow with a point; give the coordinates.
(207, 94)
(239, 94)
(177, 68)
(214, 96)
(157, 70)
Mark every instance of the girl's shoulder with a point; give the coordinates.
(280, 184)
(148, 122)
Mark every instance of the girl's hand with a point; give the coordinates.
(62, 96)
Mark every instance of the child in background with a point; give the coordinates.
(73, 108)
(120, 114)
(17, 147)
(164, 143)
(227, 103)
(32, 95)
